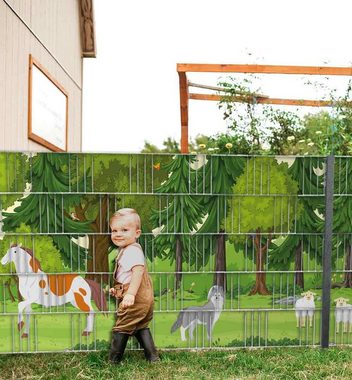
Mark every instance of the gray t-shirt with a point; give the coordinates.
(131, 256)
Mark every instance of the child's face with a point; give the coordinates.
(124, 231)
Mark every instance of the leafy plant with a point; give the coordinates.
(239, 108)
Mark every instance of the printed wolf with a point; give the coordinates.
(207, 314)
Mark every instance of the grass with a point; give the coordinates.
(288, 363)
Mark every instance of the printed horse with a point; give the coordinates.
(48, 290)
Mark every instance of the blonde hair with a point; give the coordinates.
(127, 212)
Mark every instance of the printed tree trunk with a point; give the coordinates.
(98, 247)
(220, 262)
(299, 278)
(347, 282)
(97, 262)
(178, 263)
(260, 252)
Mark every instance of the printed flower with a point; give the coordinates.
(290, 138)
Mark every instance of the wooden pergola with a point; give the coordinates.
(185, 95)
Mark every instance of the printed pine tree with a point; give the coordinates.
(216, 179)
(48, 212)
(264, 199)
(179, 218)
(303, 171)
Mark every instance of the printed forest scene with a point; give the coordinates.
(232, 244)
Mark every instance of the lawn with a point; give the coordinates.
(274, 364)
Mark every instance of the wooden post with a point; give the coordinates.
(184, 111)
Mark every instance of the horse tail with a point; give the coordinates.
(97, 295)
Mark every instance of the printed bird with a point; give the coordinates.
(74, 216)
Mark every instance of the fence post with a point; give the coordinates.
(329, 198)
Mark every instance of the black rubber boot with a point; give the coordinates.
(145, 339)
(118, 345)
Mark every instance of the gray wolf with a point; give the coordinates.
(207, 314)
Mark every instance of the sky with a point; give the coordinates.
(131, 90)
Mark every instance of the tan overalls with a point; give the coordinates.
(137, 316)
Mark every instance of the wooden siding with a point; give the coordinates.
(50, 31)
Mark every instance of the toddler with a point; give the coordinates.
(133, 287)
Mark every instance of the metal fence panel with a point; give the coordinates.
(252, 226)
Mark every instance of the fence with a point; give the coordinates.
(231, 243)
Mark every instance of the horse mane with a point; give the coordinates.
(33, 262)
(29, 251)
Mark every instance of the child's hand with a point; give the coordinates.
(112, 292)
(128, 300)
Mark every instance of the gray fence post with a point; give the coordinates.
(329, 198)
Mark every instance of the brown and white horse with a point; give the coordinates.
(49, 290)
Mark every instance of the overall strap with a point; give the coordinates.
(119, 255)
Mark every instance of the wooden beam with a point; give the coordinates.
(263, 69)
(184, 111)
(223, 89)
(264, 100)
(87, 29)
(183, 68)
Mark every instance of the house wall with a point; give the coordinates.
(50, 32)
